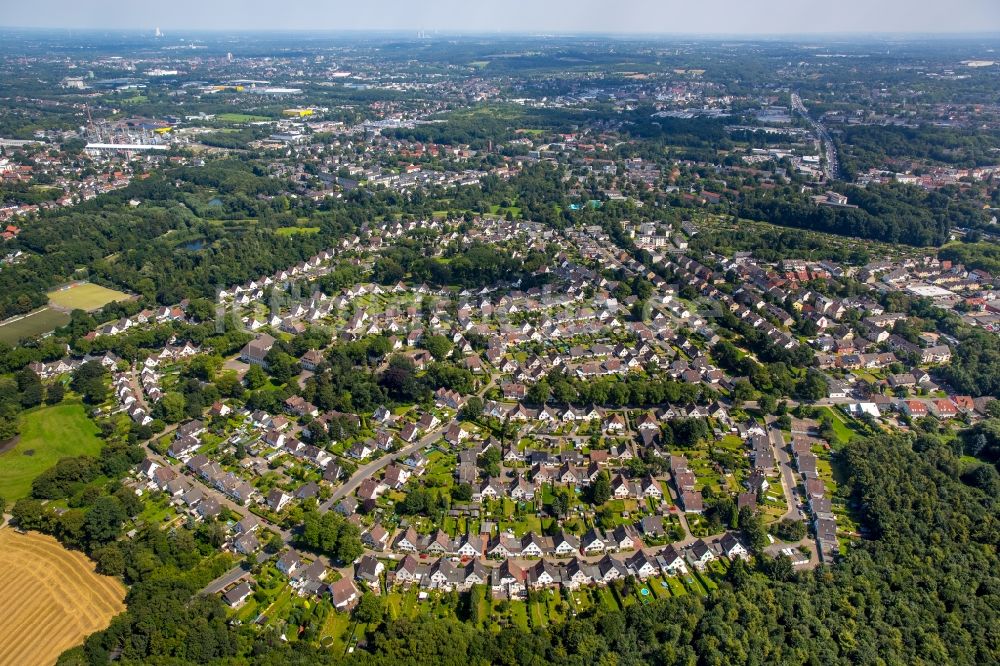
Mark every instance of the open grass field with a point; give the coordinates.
(292, 231)
(47, 434)
(85, 296)
(37, 322)
(239, 118)
(53, 598)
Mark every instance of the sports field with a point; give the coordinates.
(47, 434)
(52, 596)
(85, 296)
(41, 321)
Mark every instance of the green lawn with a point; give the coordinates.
(676, 586)
(47, 434)
(35, 323)
(519, 614)
(156, 512)
(840, 427)
(335, 632)
(607, 597)
(239, 118)
(539, 614)
(85, 296)
(292, 231)
(696, 583)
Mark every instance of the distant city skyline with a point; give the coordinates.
(724, 17)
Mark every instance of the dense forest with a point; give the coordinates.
(975, 366)
(877, 146)
(984, 255)
(888, 213)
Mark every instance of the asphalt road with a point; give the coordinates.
(225, 580)
(366, 471)
(787, 479)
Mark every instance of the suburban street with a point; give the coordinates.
(181, 470)
(366, 471)
(787, 478)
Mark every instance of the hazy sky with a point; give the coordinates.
(629, 16)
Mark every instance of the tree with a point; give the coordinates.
(173, 405)
(30, 386)
(399, 379)
(205, 366)
(814, 386)
(742, 392)
(790, 530)
(462, 492)
(753, 530)
(9, 427)
(228, 384)
(255, 377)
(560, 501)
(65, 478)
(103, 521)
(779, 568)
(489, 461)
(369, 609)
(110, 560)
(438, 345)
(387, 271)
(417, 501)
(349, 546)
(986, 478)
(472, 409)
(600, 491)
(89, 381)
(281, 365)
(55, 393)
(29, 514)
(331, 534)
(539, 392)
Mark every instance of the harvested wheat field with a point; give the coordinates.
(52, 598)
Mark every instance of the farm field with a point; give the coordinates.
(38, 322)
(85, 296)
(53, 598)
(49, 433)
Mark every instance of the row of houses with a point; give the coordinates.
(69, 364)
(819, 504)
(513, 579)
(129, 400)
(223, 481)
(691, 500)
(623, 537)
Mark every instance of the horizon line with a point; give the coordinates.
(994, 32)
